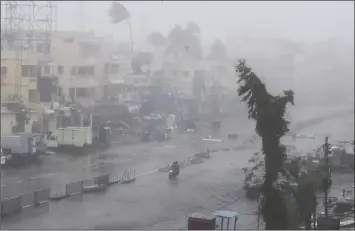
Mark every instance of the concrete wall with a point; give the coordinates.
(9, 59)
(8, 120)
(68, 50)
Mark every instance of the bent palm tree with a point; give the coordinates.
(119, 13)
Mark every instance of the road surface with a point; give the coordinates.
(152, 202)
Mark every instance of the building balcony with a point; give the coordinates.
(84, 82)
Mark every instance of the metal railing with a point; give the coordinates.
(13, 205)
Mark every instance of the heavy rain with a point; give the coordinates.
(177, 115)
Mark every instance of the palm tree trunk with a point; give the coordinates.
(130, 34)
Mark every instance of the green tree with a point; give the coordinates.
(303, 195)
(180, 39)
(218, 50)
(268, 111)
(156, 39)
(193, 28)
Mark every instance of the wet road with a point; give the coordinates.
(153, 201)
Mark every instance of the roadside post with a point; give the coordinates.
(327, 180)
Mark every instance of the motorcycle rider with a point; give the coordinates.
(175, 167)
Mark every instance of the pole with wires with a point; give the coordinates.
(326, 184)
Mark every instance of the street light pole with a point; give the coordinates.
(326, 156)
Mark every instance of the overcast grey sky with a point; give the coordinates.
(297, 20)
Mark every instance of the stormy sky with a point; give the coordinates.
(301, 21)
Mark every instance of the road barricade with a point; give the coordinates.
(58, 193)
(114, 179)
(128, 176)
(74, 188)
(27, 200)
(97, 184)
(11, 205)
(102, 181)
(42, 196)
(90, 186)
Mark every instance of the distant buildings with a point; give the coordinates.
(81, 68)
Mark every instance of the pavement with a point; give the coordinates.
(154, 202)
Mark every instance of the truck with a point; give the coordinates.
(3, 158)
(78, 137)
(22, 145)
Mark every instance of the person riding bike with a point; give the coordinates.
(175, 167)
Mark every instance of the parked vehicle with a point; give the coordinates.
(74, 137)
(3, 158)
(23, 145)
(51, 140)
(342, 157)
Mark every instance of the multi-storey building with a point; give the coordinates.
(87, 66)
(19, 77)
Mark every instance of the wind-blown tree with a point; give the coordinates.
(176, 40)
(304, 195)
(218, 50)
(118, 13)
(268, 111)
(193, 28)
(156, 39)
(185, 40)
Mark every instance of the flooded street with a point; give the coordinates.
(153, 201)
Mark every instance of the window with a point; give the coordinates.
(3, 71)
(86, 70)
(29, 70)
(60, 70)
(90, 70)
(33, 96)
(82, 92)
(59, 91)
(89, 50)
(72, 93)
(46, 70)
(115, 68)
(68, 40)
(43, 48)
(74, 70)
(83, 70)
(52, 137)
(106, 69)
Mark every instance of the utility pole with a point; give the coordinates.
(326, 188)
(258, 215)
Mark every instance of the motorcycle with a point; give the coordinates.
(173, 173)
(147, 136)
